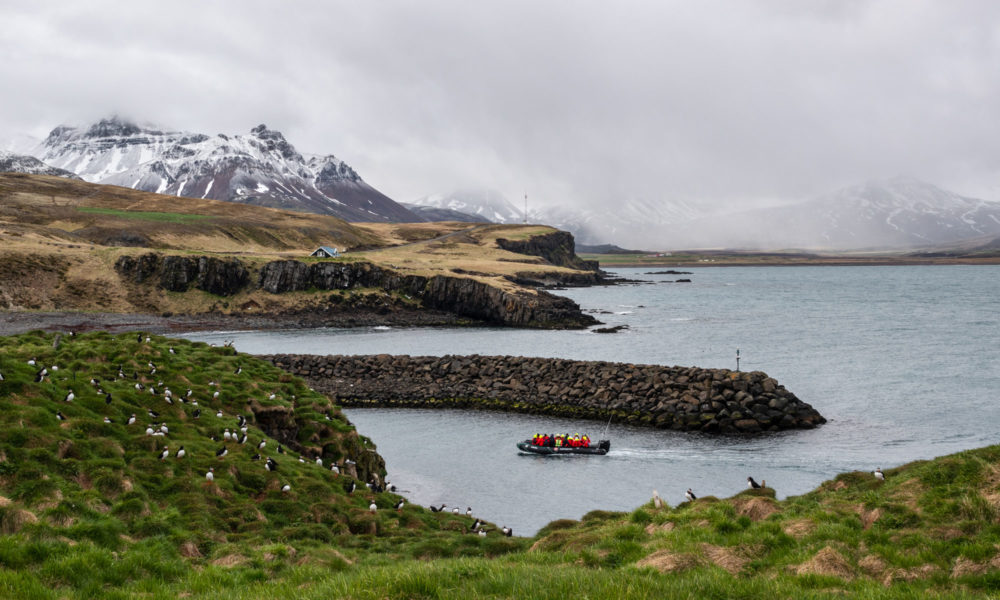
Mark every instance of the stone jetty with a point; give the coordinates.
(677, 398)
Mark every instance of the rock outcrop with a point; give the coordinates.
(678, 398)
(558, 247)
(466, 297)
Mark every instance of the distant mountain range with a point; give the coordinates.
(259, 168)
(263, 168)
(891, 214)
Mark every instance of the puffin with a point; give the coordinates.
(69, 397)
(690, 495)
(219, 413)
(351, 487)
(181, 452)
(319, 461)
(149, 430)
(286, 488)
(171, 350)
(107, 399)
(60, 416)
(475, 526)
(31, 361)
(657, 501)
(216, 395)
(107, 419)
(164, 454)
(482, 533)
(242, 439)
(211, 474)
(270, 465)
(152, 413)
(227, 436)
(400, 504)
(255, 457)
(335, 469)
(373, 507)
(753, 485)
(221, 452)
(238, 370)
(878, 474)
(164, 428)
(437, 509)
(261, 445)
(197, 413)
(468, 511)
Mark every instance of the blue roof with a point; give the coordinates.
(327, 249)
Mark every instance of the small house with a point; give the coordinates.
(325, 252)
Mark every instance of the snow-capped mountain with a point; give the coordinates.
(896, 213)
(20, 163)
(490, 205)
(629, 222)
(430, 213)
(260, 168)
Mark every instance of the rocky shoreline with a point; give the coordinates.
(677, 398)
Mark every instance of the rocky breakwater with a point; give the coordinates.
(463, 296)
(678, 398)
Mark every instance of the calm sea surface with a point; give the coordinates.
(903, 361)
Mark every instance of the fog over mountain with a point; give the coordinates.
(716, 106)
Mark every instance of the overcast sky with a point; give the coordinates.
(576, 102)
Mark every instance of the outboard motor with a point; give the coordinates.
(604, 445)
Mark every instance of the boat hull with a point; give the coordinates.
(600, 449)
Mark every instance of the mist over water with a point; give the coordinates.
(901, 360)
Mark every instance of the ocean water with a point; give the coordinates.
(904, 362)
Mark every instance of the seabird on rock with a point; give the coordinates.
(373, 507)
(752, 484)
(181, 452)
(690, 495)
(221, 452)
(211, 474)
(400, 504)
(165, 453)
(60, 416)
(286, 488)
(878, 474)
(69, 397)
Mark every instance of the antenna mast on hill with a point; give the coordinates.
(526, 208)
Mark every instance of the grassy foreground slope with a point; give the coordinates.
(89, 509)
(88, 505)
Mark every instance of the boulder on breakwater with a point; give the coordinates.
(678, 398)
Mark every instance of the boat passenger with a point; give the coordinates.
(586, 441)
(559, 441)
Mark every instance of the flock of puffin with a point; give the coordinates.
(237, 435)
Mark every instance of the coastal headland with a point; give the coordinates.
(677, 398)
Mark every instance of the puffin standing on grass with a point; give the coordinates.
(878, 474)
(690, 495)
(399, 505)
(165, 453)
(751, 484)
(210, 476)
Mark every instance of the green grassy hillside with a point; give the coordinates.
(87, 505)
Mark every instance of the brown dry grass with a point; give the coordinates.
(868, 517)
(730, 559)
(756, 508)
(799, 528)
(653, 528)
(826, 562)
(667, 561)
